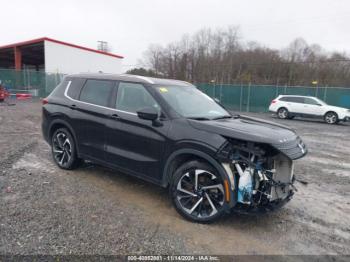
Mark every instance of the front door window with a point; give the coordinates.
(133, 97)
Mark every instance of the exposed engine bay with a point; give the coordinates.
(261, 177)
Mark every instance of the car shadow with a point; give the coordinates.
(306, 120)
(155, 199)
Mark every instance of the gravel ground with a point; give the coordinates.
(93, 210)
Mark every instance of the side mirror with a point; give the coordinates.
(148, 113)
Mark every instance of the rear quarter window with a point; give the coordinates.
(284, 99)
(60, 89)
(75, 87)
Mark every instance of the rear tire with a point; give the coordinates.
(282, 113)
(197, 192)
(64, 149)
(331, 118)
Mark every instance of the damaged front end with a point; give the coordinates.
(261, 175)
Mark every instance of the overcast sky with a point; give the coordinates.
(130, 26)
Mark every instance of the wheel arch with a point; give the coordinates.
(181, 156)
(283, 106)
(331, 111)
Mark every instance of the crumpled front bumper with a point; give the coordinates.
(345, 119)
(270, 207)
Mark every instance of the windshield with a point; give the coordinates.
(321, 102)
(189, 102)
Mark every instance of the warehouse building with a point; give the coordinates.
(54, 56)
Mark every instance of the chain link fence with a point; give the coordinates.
(257, 98)
(238, 97)
(37, 83)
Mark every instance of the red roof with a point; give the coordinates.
(38, 40)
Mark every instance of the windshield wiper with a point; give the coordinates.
(221, 117)
(199, 118)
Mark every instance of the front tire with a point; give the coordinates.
(197, 192)
(64, 149)
(282, 113)
(331, 118)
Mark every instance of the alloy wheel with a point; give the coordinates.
(331, 118)
(62, 148)
(282, 113)
(200, 194)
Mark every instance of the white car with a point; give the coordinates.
(289, 106)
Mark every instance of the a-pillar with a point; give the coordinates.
(18, 58)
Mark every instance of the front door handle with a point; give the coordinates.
(73, 107)
(114, 116)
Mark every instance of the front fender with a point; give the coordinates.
(217, 165)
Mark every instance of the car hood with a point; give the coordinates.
(247, 128)
(251, 129)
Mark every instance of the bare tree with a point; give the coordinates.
(220, 55)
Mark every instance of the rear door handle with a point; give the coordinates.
(114, 116)
(73, 107)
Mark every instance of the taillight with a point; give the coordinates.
(45, 101)
(273, 101)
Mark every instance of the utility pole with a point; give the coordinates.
(102, 46)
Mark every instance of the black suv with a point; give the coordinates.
(171, 134)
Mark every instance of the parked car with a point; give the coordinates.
(169, 133)
(3, 94)
(290, 106)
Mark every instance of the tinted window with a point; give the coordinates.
(132, 97)
(97, 92)
(296, 99)
(60, 89)
(75, 87)
(285, 98)
(310, 101)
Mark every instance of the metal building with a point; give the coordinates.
(53, 56)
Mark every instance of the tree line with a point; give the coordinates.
(221, 56)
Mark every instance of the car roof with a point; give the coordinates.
(131, 78)
(296, 96)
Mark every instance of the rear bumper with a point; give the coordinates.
(44, 132)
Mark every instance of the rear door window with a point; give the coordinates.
(296, 99)
(97, 92)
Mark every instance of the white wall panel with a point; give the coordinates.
(65, 59)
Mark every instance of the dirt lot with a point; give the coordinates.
(93, 210)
